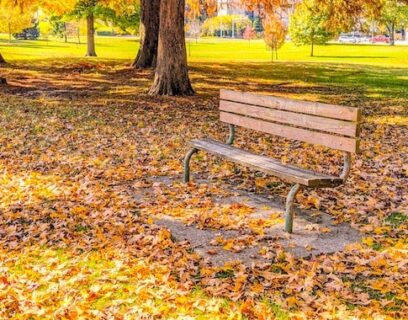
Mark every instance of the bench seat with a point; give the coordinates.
(274, 167)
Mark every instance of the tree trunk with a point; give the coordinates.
(392, 34)
(391, 31)
(79, 35)
(65, 33)
(312, 43)
(90, 22)
(150, 19)
(312, 49)
(2, 61)
(171, 76)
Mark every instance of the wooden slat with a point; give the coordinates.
(285, 172)
(297, 119)
(313, 108)
(335, 142)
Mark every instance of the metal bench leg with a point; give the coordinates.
(187, 164)
(289, 208)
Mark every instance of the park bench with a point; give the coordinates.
(333, 126)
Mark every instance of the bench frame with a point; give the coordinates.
(289, 211)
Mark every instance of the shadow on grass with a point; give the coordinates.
(347, 79)
(349, 84)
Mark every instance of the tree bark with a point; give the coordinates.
(312, 49)
(171, 76)
(90, 22)
(150, 19)
(392, 34)
(391, 30)
(65, 33)
(312, 42)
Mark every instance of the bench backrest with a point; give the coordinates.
(333, 126)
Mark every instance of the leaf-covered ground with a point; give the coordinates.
(78, 141)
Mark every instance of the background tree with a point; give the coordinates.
(13, 20)
(11, 11)
(121, 12)
(249, 34)
(394, 14)
(309, 25)
(171, 74)
(150, 22)
(125, 17)
(209, 7)
(274, 33)
(193, 9)
(194, 29)
(343, 14)
(58, 27)
(88, 9)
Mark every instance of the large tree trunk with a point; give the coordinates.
(150, 18)
(90, 22)
(171, 76)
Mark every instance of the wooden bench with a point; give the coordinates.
(333, 126)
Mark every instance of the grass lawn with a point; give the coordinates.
(213, 49)
(79, 138)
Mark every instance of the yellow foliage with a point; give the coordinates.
(275, 31)
(13, 20)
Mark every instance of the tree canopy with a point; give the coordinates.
(309, 25)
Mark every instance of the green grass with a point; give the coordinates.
(211, 49)
(396, 219)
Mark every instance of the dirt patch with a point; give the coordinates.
(315, 232)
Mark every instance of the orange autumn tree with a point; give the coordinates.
(196, 8)
(210, 7)
(342, 14)
(274, 33)
(265, 6)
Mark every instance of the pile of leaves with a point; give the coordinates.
(76, 240)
